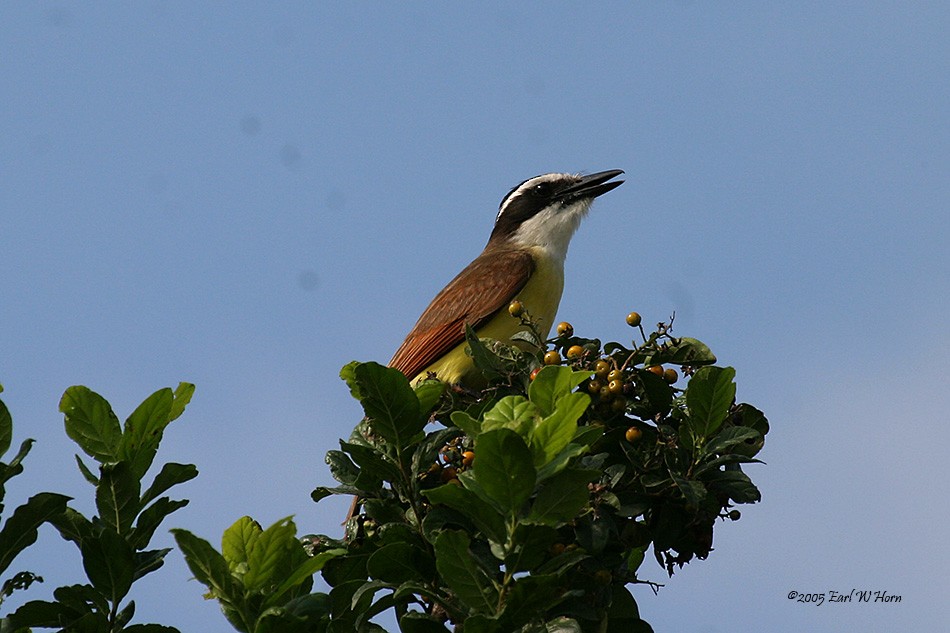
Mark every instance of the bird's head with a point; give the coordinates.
(546, 210)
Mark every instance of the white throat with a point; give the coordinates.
(551, 230)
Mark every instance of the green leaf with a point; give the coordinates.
(109, 562)
(15, 467)
(86, 473)
(462, 573)
(389, 403)
(530, 596)
(143, 430)
(271, 555)
(736, 484)
(685, 351)
(149, 628)
(6, 429)
(91, 423)
(710, 393)
(397, 563)
(729, 438)
(342, 467)
(238, 541)
(748, 416)
(20, 529)
(72, 526)
(531, 547)
(170, 475)
(183, 393)
(209, 567)
(117, 496)
(503, 469)
(556, 431)
(148, 561)
(694, 492)
(303, 573)
(470, 505)
(552, 383)
(428, 392)
(150, 518)
(511, 412)
(416, 622)
(371, 462)
(469, 425)
(348, 374)
(624, 615)
(562, 497)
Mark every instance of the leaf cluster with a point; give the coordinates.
(114, 544)
(528, 506)
(262, 578)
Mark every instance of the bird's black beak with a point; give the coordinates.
(592, 186)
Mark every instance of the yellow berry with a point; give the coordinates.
(565, 329)
(574, 352)
(633, 434)
(467, 458)
(601, 368)
(633, 319)
(615, 387)
(615, 374)
(516, 308)
(552, 358)
(594, 386)
(448, 473)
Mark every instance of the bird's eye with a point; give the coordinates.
(541, 189)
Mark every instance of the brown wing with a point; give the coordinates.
(485, 286)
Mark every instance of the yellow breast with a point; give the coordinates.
(540, 296)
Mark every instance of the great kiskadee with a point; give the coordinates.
(523, 260)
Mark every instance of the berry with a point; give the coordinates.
(534, 373)
(516, 308)
(633, 319)
(467, 458)
(670, 375)
(594, 386)
(552, 358)
(618, 404)
(574, 352)
(448, 473)
(734, 515)
(633, 434)
(656, 369)
(565, 329)
(615, 387)
(615, 374)
(601, 368)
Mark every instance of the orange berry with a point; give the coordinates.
(633, 434)
(565, 329)
(552, 358)
(574, 352)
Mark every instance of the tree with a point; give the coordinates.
(527, 505)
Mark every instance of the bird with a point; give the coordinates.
(523, 260)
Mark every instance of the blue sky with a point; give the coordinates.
(249, 196)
